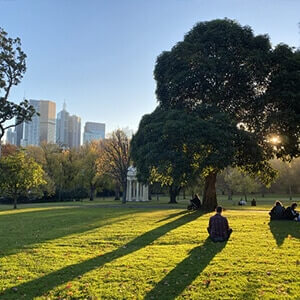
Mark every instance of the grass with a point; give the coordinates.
(88, 251)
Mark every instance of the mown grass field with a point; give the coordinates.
(97, 251)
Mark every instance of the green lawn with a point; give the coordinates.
(94, 251)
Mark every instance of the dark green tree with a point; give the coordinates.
(12, 69)
(19, 174)
(174, 147)
(282, 99)
(222, 66)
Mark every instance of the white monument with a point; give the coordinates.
(136, 191)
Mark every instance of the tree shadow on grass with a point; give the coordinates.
(171, 216)
(283, 229)
(22, 229)
(42, 285)
(175, 282)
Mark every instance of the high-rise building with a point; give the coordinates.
(47, 121)
(62, 127)
(68, 129)
(19, 133)
(74, 131)
(93, 131)
(11, 137)
(41, 128)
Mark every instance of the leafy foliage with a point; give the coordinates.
(19, 173)
(12, 69)
(222, 67)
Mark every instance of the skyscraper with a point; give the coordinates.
(68, 129)
(11, 137)
(62, 127)
(19, 133)
(41, 128)
(74, 131)
(93, 131)
(47, 121)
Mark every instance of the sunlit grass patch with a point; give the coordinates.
(121, 253)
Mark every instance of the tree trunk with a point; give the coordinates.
(15, 202)
(92, 192)
(229, 194)
(0, 148)
(245, 197)
(174, 191)
(59, 194)
(209, 200)
(124, 192)
(290, 192)
(117, 192)
(183, 192)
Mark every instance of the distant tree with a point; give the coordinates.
(8, 149)
(240, 182)
(12, 69)
(38, 154)
(289, 174)
(89, 176)
(18, 175)
(115, 160)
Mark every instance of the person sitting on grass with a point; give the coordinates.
(291, 214)
(195, 203)
(218, 227)
(277, 212)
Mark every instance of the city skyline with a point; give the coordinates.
(99, 57)
(62, 128)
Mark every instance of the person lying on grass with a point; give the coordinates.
(218, 227)
(291, 213)
(277, 212)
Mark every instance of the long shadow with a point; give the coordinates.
(22, 229)
(283, 229)
(171, 216)
(174, 283)
(40, 286)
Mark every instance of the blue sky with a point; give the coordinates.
(99, 55)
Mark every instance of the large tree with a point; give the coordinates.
(224, 65)
(12, 69)
(174, 147)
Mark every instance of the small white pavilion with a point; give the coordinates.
(136, 191)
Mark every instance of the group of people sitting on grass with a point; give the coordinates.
(219, 230)
(279, 212)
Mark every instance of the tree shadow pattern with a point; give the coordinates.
(42, 285)
(175, 282)
(283, 229)
(27, 228)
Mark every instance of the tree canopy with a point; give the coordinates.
(12, 69)
(221, 67)
(18, 174)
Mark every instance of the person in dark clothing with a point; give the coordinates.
(277, 212)
(291, 214)
(195, 203)
(218, 227)
(253, 202)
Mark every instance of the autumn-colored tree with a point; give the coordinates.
(89, 175)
